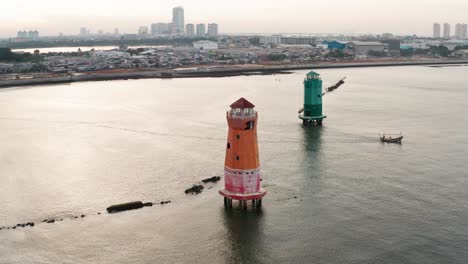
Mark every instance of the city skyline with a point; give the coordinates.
(239, 17)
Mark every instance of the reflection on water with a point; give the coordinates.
(244, 235)
(312, 137)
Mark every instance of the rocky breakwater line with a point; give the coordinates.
(198, 188)
(195, 189)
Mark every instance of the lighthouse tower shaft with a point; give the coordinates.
(312, 112)
(242, 164)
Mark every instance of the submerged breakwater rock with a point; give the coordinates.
(212, 179)
(125, 207)
(195, 189)
(198, 188)
(128, 206)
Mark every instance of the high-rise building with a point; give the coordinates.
(201, 30)
(464, 31)
(436, 30)
(446, 34)
(83, 31)
(178, 19)
(143, 31)
(32, 34)
(212, 30)
(116, 31)
(22, 34)
(190, 30)
(461, 31)
(458, 30)
(36, 34)
(159, 28)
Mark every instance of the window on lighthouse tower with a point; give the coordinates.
(249, 125)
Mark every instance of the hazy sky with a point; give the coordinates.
(234, 16)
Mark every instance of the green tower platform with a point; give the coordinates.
(312, 111)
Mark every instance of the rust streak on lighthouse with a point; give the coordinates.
(242, 164)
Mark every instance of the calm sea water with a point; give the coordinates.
(75, 149)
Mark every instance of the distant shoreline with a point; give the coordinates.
(225, 71)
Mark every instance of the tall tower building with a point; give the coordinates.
(458, 30)
(160, 28)
(242, 164)
(461, 31)
(190, 30)
(83, 31)
(446, 31)
(464, 31)
(143, 31)
(436, 30)
(312, 111)
(178, 19)
(201, 30)
(212, 30)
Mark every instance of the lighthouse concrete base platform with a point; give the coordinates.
(243, 197)
(312, 120)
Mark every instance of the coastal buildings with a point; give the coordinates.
(212, 30)
(201, 30)
(159, 28)
(286, 40)
(452, 44)
(205, 45)
(436, 30)
(461, 54)
(387, 36)
(242, 163)
(461, 31)
(363, 47)
(446, 33)
(340, 45)
(297, 40)
(178, 19)
(143, 31)
(392, 44)
(190, 30)
(30, 35)
(270, 40)
(175, 28)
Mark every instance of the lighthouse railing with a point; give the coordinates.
(241, 115)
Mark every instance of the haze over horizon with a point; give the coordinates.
(52, 17)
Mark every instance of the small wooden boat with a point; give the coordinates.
(391, 138)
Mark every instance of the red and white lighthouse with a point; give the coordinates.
(242, 164)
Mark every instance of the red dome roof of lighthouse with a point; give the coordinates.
(242, 103)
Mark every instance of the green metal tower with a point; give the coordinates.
(312, 114)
